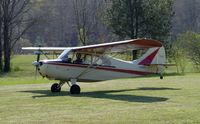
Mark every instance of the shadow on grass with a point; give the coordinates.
(108, 94)
(157, 88)
(165, 75)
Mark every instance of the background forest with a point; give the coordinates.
(63, 23)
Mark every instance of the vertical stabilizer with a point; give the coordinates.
(153, 56)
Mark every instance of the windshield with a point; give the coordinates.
(64, 54)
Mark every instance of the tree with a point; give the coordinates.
(80, 10)
(158, 16)
(58, 26)
(1, 48)
(179, 56)
(125, 17)
(87, 19)
(190, 43)
(141, 18)
(15, 25)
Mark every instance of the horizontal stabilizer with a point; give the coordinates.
(162, 65)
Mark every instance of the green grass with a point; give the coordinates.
(23, 72)
(174, 100)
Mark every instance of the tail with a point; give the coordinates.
(153, 56)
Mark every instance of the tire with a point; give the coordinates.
(55, 88)
(75, 89)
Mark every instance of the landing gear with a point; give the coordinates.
(161, 69)
(55, 88)
(74, 88)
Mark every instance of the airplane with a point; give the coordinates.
(94, 63)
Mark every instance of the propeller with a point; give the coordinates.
(37, 63)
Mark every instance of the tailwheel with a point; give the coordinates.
(55, 88)
(75, 89)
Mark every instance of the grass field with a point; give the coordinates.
(174, 100)
(23, 72)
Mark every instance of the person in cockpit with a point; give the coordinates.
(78, 59)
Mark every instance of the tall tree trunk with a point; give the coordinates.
(136, 18)
(7, 51)
(1, 56)
(1, 50)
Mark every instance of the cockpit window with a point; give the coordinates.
(70, 56)
(64, 54)
(101, 60)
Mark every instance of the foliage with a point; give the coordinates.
(188, 45)
(178, 56)
(141, 18)
(125, 17)
(158, 16)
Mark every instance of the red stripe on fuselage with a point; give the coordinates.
(101, 68)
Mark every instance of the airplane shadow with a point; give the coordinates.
(107, 94)
(157, 88)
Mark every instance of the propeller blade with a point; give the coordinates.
(36, 63)
(36, 71)
(38, 57)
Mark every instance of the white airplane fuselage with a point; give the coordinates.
(59, 70)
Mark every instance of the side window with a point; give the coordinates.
(81, 58)
(87, 59)
(96, 60)
(103, 61)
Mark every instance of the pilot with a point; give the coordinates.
(78, 59)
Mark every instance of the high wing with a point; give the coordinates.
(46, 49)
(119, 46)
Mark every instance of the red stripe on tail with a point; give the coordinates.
(149, 58)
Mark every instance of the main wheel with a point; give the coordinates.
(75, 89)
(55, 88)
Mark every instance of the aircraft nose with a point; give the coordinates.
(40, 63)
(35, 63)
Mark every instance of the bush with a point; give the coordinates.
(179, 57)
(189, 45)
